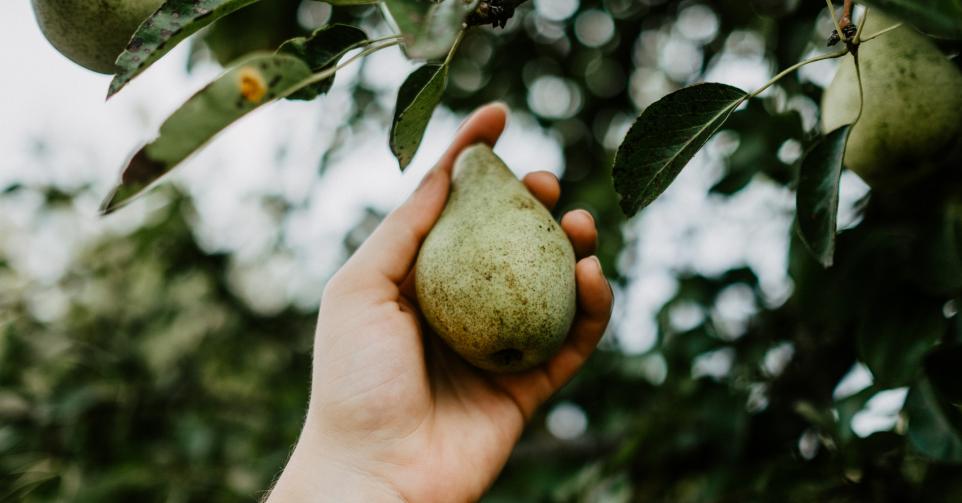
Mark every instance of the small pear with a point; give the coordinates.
(913, 104)
(92, 33)
(496, 276)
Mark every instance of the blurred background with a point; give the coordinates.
(163, 353)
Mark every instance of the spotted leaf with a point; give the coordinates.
(251, 83)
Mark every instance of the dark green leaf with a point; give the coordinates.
(817, 196)
(939, 256)
(322, 50)
(666, 137)
(416, 100)
(942, 368)
(429, 28)
(895, 335)
(161, 32)
(942, 18)
(935, 425)
(252, 83)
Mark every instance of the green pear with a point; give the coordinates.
(496, 275)
(913, 104)
(92, 33)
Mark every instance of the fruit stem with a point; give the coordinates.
(794, 67)
(328, 73)
(861, 92)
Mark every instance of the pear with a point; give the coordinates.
(496, 276)
(913, 105)
(92, 33)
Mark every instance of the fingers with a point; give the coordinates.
(579, 225)
(485, 125)
(389, 253)
(595, 300)
(544, 187)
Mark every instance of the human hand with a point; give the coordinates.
(394, 414)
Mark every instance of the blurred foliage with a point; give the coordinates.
(161, 384)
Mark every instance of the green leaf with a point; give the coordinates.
(322, 50)
(429, 28)
(817, 196)
(896, 333)
(666, 137)
(252, 83)
(941, 18)
(162, 31)
(935, 425)
(939, 254)
(942, 368)
(416, 101)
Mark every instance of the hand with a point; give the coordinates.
(394, 414)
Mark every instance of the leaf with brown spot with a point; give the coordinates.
(252, 83)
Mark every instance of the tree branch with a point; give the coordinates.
(846, 19)
(493, 12)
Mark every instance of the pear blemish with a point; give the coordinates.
(496, 275)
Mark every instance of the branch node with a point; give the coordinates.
(493, 12)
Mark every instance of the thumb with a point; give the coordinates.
(391, 250)
(387, 257)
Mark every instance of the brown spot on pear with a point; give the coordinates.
(913, 105)
(491, 281)
(92, 33)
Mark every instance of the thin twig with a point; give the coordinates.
(838, 28)
(383, 39)
(454, 47)
(794, 67)
(861, 25)
(881, 32)
(326, 74)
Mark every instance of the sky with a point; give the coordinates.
(56, 128)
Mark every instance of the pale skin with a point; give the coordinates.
(395, 415)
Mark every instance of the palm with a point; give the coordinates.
(402, 405)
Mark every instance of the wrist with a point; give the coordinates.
(314, 476)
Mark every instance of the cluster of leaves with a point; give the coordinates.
(150, 398)
(301, 69)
